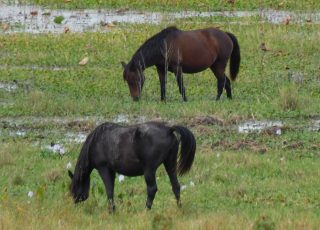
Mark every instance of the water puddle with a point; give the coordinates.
(36, 19)
(121, 118)
(258, 126)
(126, 119)
(278, 16)
(9, 87)
(79, 137)
(315, 125)
(41, 122)
(33, 67)
(5, 104)
(56, 148)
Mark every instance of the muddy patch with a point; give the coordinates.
(67, 130)
(206, 120)
(35, 19)
(240, 145)
(292, 145)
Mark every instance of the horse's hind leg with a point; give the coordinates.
(218, 68)
(179, 76)
(170, 165)
(108, 177)
(228, 87)
(150, 178)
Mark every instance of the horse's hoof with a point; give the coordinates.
(112, 210)
(179, 204)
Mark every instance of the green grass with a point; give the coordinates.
(231, 188)
(98, 87)
(242, 181)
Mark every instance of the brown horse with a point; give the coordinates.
(184, 52)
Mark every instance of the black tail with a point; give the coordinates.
(187, 151)
(235, 57)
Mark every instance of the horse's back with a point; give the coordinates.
(155, 142)
(221, 39)
(125, 149)
(215, 40)
(196, 50)
(113, 148)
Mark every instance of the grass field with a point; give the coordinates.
(258, 180)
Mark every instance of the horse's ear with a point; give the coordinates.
(70, 174)
(123, 64)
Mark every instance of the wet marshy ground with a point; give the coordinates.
(53, 132)
(36, 19)
(49, 131)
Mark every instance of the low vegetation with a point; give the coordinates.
(259, 180)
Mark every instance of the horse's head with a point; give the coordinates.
(79, 192)
(135, 78)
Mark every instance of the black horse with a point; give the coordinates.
(184, 52)
(133, 151)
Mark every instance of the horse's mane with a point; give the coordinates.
(82, 166)
(151, 49)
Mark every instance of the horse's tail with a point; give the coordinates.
(235, 57)
(187, 150)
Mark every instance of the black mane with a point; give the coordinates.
(151, 49)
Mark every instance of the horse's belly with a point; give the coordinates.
(129, 168)
(131, 171)
(193, 69)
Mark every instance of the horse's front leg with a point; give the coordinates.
(108, 177)
(179, 76)
(163, 82)
(150, 177)
(170, 165)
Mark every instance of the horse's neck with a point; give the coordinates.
(145, 58)
(140, 62)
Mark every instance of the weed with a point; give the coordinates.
(162, 222)
(289, 98)
(58, 19)
(264, 223)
